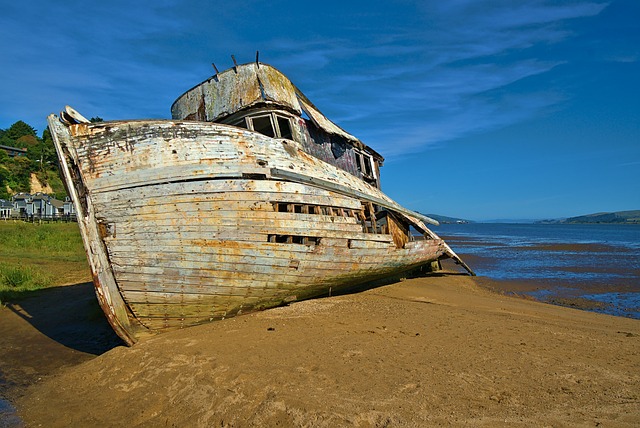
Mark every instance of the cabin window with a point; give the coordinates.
(263, 125)
(367, 165)
(284, 126)
(270, 124)
(359, 162)
(364, 163)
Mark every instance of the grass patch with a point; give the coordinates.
(36, 256)
(15, 280)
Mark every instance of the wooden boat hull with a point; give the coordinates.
(189, 222)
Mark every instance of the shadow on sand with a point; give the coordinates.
(69, 315)
(43, 331)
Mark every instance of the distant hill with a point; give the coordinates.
(618, 217)
(447, 220)
(630, 217)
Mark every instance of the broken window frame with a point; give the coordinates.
(277, 120)
(252, 120)
(365, 164)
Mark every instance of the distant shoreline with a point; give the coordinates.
(588, 222)
(616, 217)
(541, 222)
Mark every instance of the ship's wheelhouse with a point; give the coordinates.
(260, 98)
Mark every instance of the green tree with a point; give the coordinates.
(20, 169)
(6, 141)
(20, 129)
(27, 141)
(49, 151)
(4, 178)
(35, 153)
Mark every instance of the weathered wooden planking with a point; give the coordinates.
(214, 249)
(158, 206)
(279, 272)
(145, 158)
(254, 210)
(240, 275)
(151, 164)
(177, 311)
(218, 214)
(275, 289)
(143, 256)
(124, 230)
(238, 261)
(260, 234)
(210, 227)
(243, 285)
(217, 286)
(263, 228)
(361, 244)
(234, 189)
(207, 304)
(297, 269)
(262, 231)
(217, 297)
(238, 266)
(375, 197)
(249, 201)
(184, 298)
(229, 209)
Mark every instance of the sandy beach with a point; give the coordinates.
(438, 350)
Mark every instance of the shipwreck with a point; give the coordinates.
(249, 198)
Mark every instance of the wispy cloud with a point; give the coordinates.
(437, 77)
(55, 55)
(629, 164)
(424, 86)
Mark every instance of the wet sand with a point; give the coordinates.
(439, 350)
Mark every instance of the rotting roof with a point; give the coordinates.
(249, 85)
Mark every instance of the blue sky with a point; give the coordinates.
(483, 109)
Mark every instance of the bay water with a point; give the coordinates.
(589, 266)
